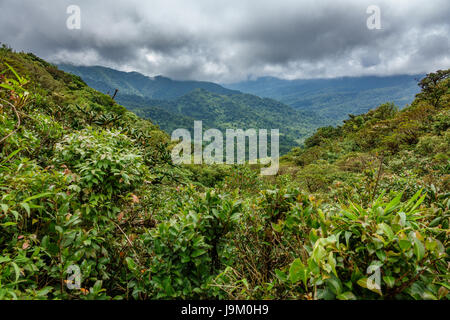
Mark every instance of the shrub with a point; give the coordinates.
(106, 161)
(430, 144)
(318, 176)
(187, 250)
(391, 250)
(180, 265)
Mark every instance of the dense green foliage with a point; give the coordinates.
(362, 212)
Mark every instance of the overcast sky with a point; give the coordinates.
(226, 41)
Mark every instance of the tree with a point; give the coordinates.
(434, 87)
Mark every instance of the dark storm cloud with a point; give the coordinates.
(233, 40)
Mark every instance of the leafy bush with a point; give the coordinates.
(390, 250)
(318, 176)
(186, 251)
(431, 144)
(180, 266)
(106, 161)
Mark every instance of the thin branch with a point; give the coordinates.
(128, 240)
(115, 93)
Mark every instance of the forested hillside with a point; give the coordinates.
(175, 104)
(240, 111)
(334, 99)
(362, 212)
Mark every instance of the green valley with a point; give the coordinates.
(175, 104)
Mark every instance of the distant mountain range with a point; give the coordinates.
(136, 84)
(334, 99)
(302, 106)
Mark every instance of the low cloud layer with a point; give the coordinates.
(226, 41)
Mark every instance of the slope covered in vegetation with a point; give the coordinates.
(136, 84)
(361, 213)
(239, 111)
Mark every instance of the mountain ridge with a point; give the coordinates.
(135, 83)
(335, 98)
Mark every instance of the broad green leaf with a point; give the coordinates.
(8, 224)
(417, 204)
(348, 235)
(419, 249)
(16, 270)
(14, 72)
(12, 154)
(43, 292)
(346, 296)
(5, 207)
(4, 259)
(404, 244)
(332, 263)
(26, 206)
(335, 285)
(402, 218)
(393, 204)
(131, 264)
(198, 252)
(386, 230)
(428, 296)
(381, 254)
(390, 281)
(281, 275)
(365, 283)
(298, 271)
(41, 195)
